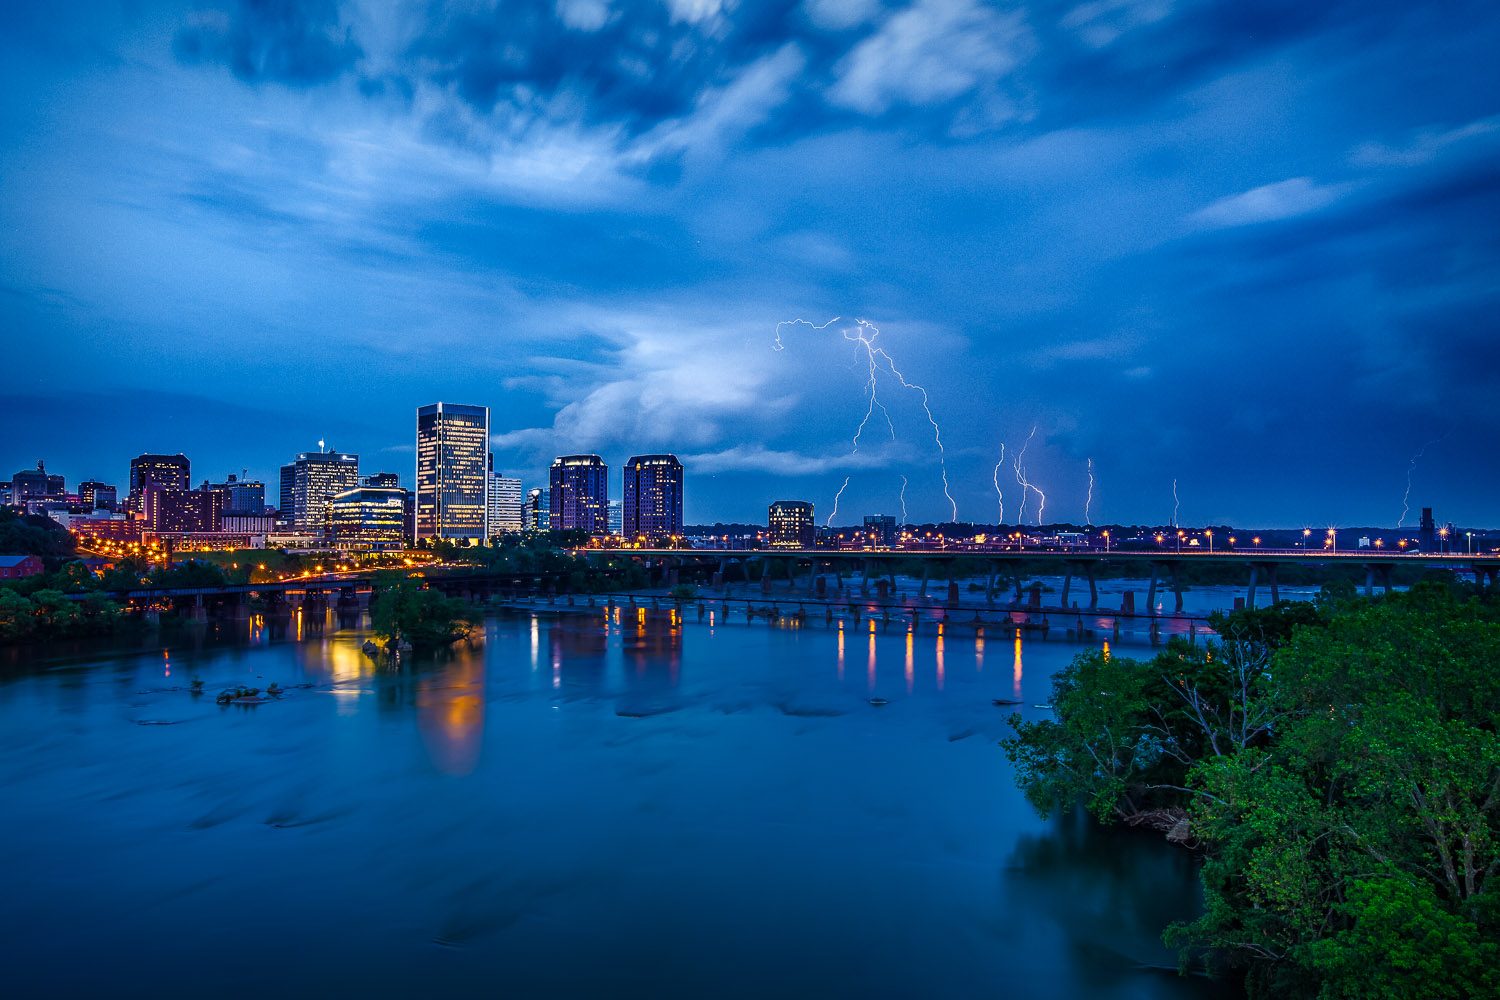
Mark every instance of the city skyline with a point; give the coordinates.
(1163, 235)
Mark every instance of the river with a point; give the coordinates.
(577, 805)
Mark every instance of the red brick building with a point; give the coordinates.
(16, 567)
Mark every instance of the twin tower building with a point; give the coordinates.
(459, 495)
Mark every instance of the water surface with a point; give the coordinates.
(631, 806)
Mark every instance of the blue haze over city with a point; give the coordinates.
(1247, 248)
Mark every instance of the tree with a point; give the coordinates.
(403, 611)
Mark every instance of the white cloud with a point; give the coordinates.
(724, 114)
(584, 15)
(1425, 147)
(758, 458)
(932, 52)
(1282, 200)
(1100, 23)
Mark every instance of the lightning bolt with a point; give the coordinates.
(1088, 501)
(1406, 497)
(996, 478)
(903, 501)
(1175, 503)
(829, 523)
(1026, 484)
(878, 360)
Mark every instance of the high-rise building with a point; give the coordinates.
(170, 511)
(36, 484)
(880, 529)
(170, 472)
(369, 517)
(453, 447)
(652, 498)
(535, 515)
(242, 497)
(579, 495)
(392, 481)
(505, 502)
(792, 525)
(96, 495)
(284, 501)
(315, 478)
(1427, 532)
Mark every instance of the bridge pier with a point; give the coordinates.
(1151, 592)
(922, 592)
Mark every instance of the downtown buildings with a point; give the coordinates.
(579, 494)
(308, 486)
(452, 495)
(791, 525)
(166, 471)
(505, 503)
(652, 491)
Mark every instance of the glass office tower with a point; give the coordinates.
(453, 447)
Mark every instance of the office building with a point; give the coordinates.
(652, 502)
(169, 472)
(1427, 532)
(453, 447)
(180, 511)
(36, 484)
(284, 501)
(792, 525)
(96, 495)
(392, 481)
(316, 477)
(369, 517)
(579, 494)
(242, 497)
(505, 502)
(880, 529)
(535, 515)
(614, 517)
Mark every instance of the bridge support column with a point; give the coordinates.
(1093, 586)
(1067, 582)
(922, 593)
(1271, 579)
(1177, 585)
(1151, 590)
(1250, 596)
(864, 579)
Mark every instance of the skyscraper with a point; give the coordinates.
(504, 502)
(453, 447)
(652, 498)
(315, 478)
(792, 525)
(96, 495)
(167, 471)
(534, 513)
(579, 495)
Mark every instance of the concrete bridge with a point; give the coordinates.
(1160, 566)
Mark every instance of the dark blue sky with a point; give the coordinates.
(1249, 247)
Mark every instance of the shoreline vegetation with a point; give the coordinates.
(1336, 763)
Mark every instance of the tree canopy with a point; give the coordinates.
(1340, 766)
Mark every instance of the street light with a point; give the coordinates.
(1306, 534)
(1471, 541)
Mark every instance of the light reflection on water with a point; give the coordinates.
(630, 805)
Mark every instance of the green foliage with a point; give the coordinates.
(402, 611)
(683, 592)
(1340, 765)
(49, 614)
(34, 535)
